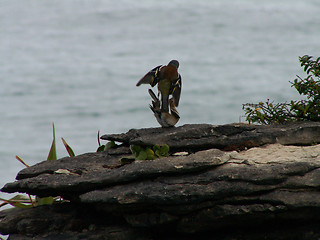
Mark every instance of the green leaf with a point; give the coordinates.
(107, 146)
(45, 201)
(157, 153)
(156, 147)
(68, 148)
(21, 205)
(143, 155)
(101, 148)
(150, 154)
(164, 151)
(19, 201)
(135, 149)
(110, 144)
(53, 152)
(20, 160)
(161, 151)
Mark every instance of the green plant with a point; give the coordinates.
(142, 153)
(304, 110)
(21, 201)
(146, 153)
(161, 151)
(107, 146)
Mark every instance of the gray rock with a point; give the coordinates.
(105, 171)
(268, 191)
(195, 137)
(64, 222)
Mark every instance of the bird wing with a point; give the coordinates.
(173, 110)
(176, 90)
(151, 77)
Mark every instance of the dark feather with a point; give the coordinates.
(176, 90)
(175, 114)
(153, 95)
(151, 77)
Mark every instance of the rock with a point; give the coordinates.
(270, 191)
(105, 171)
(195, 137)
(64, 222)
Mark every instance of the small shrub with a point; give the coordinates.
(304, 110)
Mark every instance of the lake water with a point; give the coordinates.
(76, 63)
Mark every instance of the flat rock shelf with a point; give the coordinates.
(234, 181)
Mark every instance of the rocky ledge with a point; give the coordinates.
(234, 181)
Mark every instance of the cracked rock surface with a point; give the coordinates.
(270, 190)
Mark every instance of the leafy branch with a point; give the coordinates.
(304, 110)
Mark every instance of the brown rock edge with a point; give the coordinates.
(238, 181)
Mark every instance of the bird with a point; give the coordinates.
(165, 119)
(169, 83)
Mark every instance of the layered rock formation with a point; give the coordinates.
(233, 181)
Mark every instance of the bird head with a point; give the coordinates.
(174, 63)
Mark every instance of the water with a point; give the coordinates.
(76, 63)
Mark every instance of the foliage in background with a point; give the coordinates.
(22, 201)
(304, 110)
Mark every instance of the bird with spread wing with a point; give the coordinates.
(169, 83)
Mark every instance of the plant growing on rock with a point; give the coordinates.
(304, 110)
(21, 201)
(147, 153)
(106, 146)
